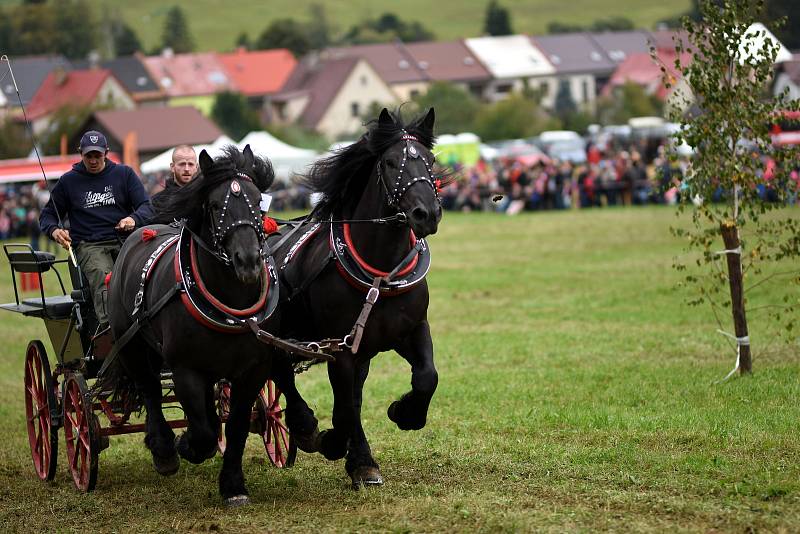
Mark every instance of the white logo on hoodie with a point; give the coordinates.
(95, 200)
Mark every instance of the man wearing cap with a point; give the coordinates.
(100, 198)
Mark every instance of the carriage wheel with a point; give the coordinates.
(281, 448)
(80, 433)
(40, 403)
(223, 410)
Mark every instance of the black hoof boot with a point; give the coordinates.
(330, 447)
(398, 413)
(166, 466)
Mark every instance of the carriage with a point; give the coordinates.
(67, 394)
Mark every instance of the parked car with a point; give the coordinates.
(563, 145)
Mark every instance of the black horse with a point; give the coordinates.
(328, 268)
(191, 293)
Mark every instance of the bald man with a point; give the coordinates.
(183, 165)
(182, 168)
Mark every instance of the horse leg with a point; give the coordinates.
(199, 442)
(159, 437)
(231, 477)
(360, 464)
(411, 410)
(300, 419)
(334, 442)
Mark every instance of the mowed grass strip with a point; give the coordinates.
(216, 26)
(576, 392)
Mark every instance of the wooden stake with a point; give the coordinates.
(730, 236)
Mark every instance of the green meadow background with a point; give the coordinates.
(577, 392)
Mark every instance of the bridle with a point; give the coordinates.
(395, 193)
(223, 226)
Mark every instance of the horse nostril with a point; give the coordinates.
(419, 214)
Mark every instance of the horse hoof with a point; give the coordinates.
(166, 466)
(401, 420)
(331, 451)
(307, 442)
(237, 501)
(366, 476)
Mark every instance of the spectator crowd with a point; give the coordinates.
(632, 174)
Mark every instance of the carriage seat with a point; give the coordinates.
(59, 307)
(30, 261)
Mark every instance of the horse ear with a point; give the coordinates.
(205, 161)
(427, 122)
(248, 156)
(385, 117)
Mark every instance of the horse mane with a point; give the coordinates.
(341, 177)
(186, 202)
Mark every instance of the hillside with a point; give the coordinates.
(216, 28)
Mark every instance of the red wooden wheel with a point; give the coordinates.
(281, 449)
(223, 410)
(40, 403)
(80, 433)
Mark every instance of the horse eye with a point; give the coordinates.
(391, 163)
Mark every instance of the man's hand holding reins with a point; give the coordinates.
(62, 237)
(126, 225)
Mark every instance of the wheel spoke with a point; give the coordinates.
(75, 457)
(84, 438)
(279, 424)
(285, 440)
(72, 419)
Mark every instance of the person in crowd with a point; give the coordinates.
(99, 198)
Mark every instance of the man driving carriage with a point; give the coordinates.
(100, 198)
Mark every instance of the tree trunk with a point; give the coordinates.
(730, 236)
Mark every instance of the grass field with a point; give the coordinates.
(216, 25)
(576, 393)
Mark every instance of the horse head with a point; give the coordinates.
(234, 185)
(405, 169)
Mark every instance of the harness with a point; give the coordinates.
(198, 300)
(395, 194)
(207, 309)
(406, 275)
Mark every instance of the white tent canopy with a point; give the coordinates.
(162, 161)
(286, 159)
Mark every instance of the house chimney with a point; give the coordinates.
(94, 59)
(60, 74)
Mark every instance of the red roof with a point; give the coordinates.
(77, 87)
(259, 72)
(182, 75)
(642, 70)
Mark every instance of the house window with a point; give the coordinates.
(544, 88)
(585, 87)
(504, 88)
(363, 80)
(354, 109)
(413, 93)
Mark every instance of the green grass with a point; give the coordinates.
(215, 25)
(577, 392)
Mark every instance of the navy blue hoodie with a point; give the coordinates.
(95, 203)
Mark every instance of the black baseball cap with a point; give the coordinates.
(93, 140)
